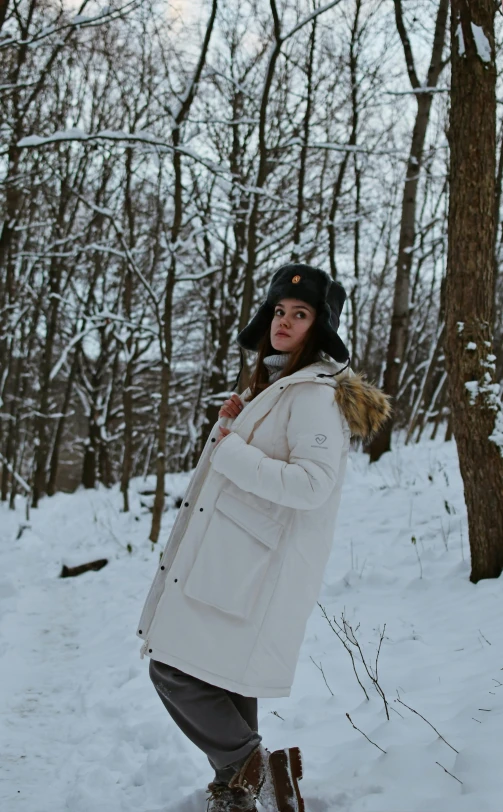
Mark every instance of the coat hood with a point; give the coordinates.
(365, 406)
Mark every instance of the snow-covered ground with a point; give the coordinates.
(83, 729)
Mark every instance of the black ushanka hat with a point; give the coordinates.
(311, 285)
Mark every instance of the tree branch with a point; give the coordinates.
(309, 18)
(409, 57)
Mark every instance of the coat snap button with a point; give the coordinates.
(186, 504)
(150, 651)
(282, 387)
(201, 510)
(176, 580)
(140, 631)
(162, 567)
(212, 439)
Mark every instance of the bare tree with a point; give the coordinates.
(401, 305)
(179, 118)
(477, 411)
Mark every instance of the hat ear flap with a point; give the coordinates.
(250, 336)
(339, 293)
(328, 317)
(326, 325)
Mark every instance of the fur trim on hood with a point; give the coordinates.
(365, 406)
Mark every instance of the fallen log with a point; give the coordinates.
(71, 572)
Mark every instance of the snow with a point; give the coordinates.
(497, 434)
(473, 388)
(417, 91)
(83, 728)
(481, 43)
(471, 345)
(60, 135)
(461, 41)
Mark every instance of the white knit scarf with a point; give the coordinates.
(275, 363)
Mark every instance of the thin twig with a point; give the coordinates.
(447, 771)
(346, 633)
(320, 668)
(428, 723)
(336, 632)
(373, 677)
(364, 734)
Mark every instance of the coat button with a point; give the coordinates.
(176, 580)
(186, 504)
(150, 651)
(201, 509)
(162, 567)
(212, 439)
(140, 631)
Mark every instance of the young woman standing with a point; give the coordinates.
(241, 572)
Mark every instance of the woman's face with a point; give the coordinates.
(291, 321)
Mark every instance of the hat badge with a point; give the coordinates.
(296, 279)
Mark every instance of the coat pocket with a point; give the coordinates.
(234, 557)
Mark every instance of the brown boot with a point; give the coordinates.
(224, 799)
(273, 779)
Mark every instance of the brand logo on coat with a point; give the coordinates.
(296, 279)
(320, 439)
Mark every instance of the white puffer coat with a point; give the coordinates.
(244, 562)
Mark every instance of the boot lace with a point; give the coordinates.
(234, 795)
(215, 792)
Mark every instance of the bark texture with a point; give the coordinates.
(475, 403)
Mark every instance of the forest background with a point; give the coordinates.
(160, 160)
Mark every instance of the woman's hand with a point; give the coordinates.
(223, 433)
(231, 407)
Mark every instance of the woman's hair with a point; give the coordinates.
(306, 353)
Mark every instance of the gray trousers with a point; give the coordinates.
(222, 724)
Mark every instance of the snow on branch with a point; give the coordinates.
(77, 21)
(76, 134)
(416, 90)
(64, 355)
(19, 479)
(310, 18)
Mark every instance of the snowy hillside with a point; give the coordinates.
(83, 729)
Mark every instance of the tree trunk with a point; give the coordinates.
(166, 338)
(476, 409)
(127, 389)
(41, 427)
(54, 464)
(297, 252)
(397, 343)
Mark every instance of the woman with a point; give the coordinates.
(226, 614)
